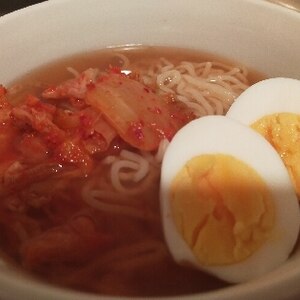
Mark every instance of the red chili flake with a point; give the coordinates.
(102, 78)
(53, 138)
(90, 86)
(85, 120)
(50, 90)
(134, 76)
(136, 129)
(161, 133)
(32, 100)
(114, 70)
(169, 134)
(138, 132)
(146, 90)
(71, 152)
(77, 103)
(155, 110)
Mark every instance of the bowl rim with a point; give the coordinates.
(247, 290)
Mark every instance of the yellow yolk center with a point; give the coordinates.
(222, 208)
(283, 132)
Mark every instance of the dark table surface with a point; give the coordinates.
(7, 6)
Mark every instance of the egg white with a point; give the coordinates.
(221, 135)
(267, 97)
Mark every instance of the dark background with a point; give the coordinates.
(7, 6)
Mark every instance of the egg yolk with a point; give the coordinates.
(222, 208)
(283, 132)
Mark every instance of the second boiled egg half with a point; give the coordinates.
(227, 202)
(272, 108)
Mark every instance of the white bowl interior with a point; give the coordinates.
(255, 33)
(241, 30)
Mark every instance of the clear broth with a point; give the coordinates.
(165, 279)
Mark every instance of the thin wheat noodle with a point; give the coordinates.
(230, 78)
(188, 67)
(143, 164)
(207, 69)
(180, 88)
(213, 89)
(218, 80)
(116, 167)
(161, 150)
(133, 250)
(124, 58)
(118, 255)
(200, 99)
(94, 190)
(196, 108)
(234, 71)
(166, 68)
(145, 184)
(128, 211)
(166, 62)
(168, 78)
(141, 260)
(108, 160)
(73, 71)
(107, 195)
(219, 105)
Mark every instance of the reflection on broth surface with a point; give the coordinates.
(82, 142)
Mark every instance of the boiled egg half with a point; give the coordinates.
(227, 202)
(272, 108)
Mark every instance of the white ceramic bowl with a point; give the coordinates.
(259, 34)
